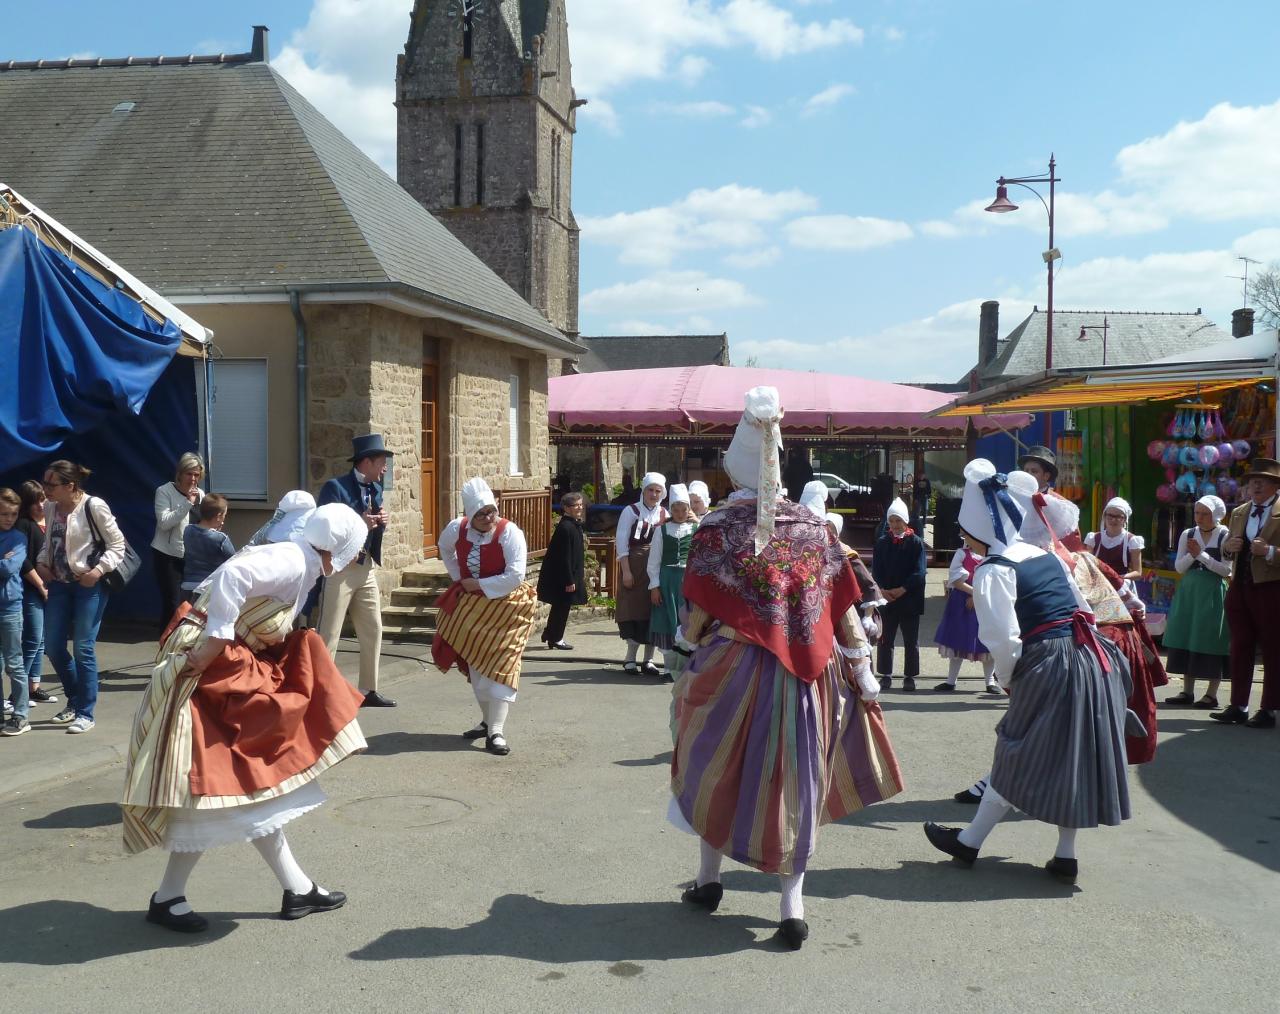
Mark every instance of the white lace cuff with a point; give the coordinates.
(863, 651)
(874, 604)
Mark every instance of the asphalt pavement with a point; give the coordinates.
(549, 879)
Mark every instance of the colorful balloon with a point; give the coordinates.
(1170, 457)
(1166, 493)
(1242, 449)
(1155, 450)
(1226, 453)
(1208, 456)
(1189, 457)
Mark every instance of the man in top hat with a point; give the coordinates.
(356, 588)
(1253, 600)
(1040, 462)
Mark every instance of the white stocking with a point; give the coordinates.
(792, 897)
(1066, 843)
(174, 882)
(993, 809)
(953, 669)
(669, 659)
(275, 850)
(497, 716)
(709, 871)
(989, 668)
(648, 653)
(482, 699)
(632, 648)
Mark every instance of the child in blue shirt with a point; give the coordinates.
(13, 554)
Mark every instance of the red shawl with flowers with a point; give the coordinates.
(788, 599)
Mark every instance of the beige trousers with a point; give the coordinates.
(354, 589)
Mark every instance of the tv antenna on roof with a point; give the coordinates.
(1244, 279)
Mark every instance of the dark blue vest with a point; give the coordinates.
(1044, 595)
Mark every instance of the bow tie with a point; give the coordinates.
(1259, 510)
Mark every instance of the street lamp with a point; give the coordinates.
(1002, 205)
(1096, 327)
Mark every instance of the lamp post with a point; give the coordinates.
(1002, 205)
(1096, 327)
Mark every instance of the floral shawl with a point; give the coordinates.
(789, 598)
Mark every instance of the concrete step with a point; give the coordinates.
(411, 615)
(415, 596)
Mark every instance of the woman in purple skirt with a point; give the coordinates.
(957, 634)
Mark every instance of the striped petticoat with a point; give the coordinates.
(488, 635)
(763, 759)
(1060, 748)
(158, 766)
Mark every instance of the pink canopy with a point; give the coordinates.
(689, 398)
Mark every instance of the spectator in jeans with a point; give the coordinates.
(205, 546)
(72, 567)
(13, 555)
(34, 592)
(175, 506)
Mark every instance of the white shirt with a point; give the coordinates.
(1125, 538)
(515, 552)
(995, 593)
(677, 530)
(1185, 561)
(629, 518)
(1255, 524)
(957, 574)
(284, 570)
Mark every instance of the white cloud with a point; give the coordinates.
(940, 229)
(602, 113)
(754, 258)
(892, 34)
(702, 110)
(670, 292)
(731, 216)
(757, 116)
(827, 98)
(692, 69)
(845, 232)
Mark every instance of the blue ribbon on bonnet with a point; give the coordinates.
(995, 490)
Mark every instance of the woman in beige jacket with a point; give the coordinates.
(72, 567)
(173, 503)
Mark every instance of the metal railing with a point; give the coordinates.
(531, 510)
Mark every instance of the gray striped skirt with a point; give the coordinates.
(1060, 754)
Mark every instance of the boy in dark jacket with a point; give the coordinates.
(899, 569)
(562, 582)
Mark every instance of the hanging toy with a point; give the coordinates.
(1189, 457)
(1155, 450)
(1219, 430)
(1228, 488)
(1208, 455)
(1186, 483)
(1170, 457)
(1242, 449)
(1226, 454)
(1206, 488)
(1167, 493)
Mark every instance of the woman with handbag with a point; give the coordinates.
(83, 544)
(176, 505)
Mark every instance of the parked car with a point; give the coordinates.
(838, 485)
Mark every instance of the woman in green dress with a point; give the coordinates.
(1196, 636)
(668, 553)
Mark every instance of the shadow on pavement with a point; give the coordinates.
(613, 676)
(73, 932)
(992, 879)
(917, 811)
(519, 926)
(657, 760)
(84, 816)
(388, 744)
(1222, 782)
(902, 702)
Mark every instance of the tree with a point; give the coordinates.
(1264, 290)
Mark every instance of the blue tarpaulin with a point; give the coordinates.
(76, 351)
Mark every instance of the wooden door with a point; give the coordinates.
(430, 454)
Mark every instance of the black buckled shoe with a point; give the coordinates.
(945, 688)
(373, 699)
(793, 932)
(161, 913)
(561, 646)
(1182, 698)
(1062, 870)
(479, 732)
(968, 796)
(649, 669)
(947, 839)
(497, 744)
(1231, 715)
(295, 906)
(707, 896)
(909, 684)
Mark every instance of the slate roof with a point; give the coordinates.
(1132, 338)
(221, 177)
(640, 352)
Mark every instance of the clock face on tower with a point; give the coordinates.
(462, 8)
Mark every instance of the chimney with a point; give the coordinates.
(1241, 323)
(988, 332)
(261, 52)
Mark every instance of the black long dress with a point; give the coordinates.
(563, 566)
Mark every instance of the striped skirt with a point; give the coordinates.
(763, 759)
(1060, 748)
(484, 634)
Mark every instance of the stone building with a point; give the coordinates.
(340, 305)
(486, 120)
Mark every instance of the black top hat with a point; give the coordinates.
(1042, 454)
(1264, 468)
(368, 446)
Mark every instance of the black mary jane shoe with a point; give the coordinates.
(1231, 715)
(793, 933)
(649, 669)
(631, 668)
(497, 744)
(707, 896)
(479, 732)
(561, 646)
(968, 797)
(945, 688)
(295, 906)
(1206, 703)
(947, 839)
(1064, 871)
(161, 913)
(1181, 699)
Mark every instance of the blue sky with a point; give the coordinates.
(808, 175)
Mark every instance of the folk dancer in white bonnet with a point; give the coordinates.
(815, 498)
(487, 614)
(1060, 748)
(1115, 545)
(668, 554)
(777, 729)
(1196, 635)
(699, 499)
(240, 718)
(636, 526)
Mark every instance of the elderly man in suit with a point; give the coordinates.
(1253, 600)
(356, 588)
